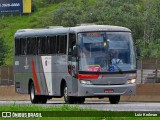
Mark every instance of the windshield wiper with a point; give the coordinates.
(119, 69)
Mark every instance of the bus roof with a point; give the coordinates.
(87, 28)
(64, 30)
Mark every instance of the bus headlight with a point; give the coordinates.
(86, 82)
(131, 81)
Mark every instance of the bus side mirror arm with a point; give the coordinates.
(75, 51)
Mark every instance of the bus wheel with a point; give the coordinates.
(114, 99)
(33, 97)
(67, 99)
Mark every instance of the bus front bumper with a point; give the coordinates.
(106, 90)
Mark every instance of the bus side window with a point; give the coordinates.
(43, 42)
(35, 46)
(31, 43)
(38, 45)
(72, 43)
(23, 45)
(42, 45)
(57, 44)
(47, 43)
(61, 44)
(17, 47)
(52, 44)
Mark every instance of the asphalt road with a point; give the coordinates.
(100, 105)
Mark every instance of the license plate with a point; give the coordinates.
(108, 90)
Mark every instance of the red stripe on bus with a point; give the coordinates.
(35, 78)
(88, 76)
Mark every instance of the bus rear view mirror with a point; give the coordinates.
(75, 51)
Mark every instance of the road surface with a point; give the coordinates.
(100, 105)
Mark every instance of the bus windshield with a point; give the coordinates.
(106, 52)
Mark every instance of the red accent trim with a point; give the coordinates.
(88, 76)
(35, 78)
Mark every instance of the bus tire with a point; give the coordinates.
(33, 97)
(68, 99)
(114, 99)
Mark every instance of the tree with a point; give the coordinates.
(66, 15)
(2, 51)
(52, 1)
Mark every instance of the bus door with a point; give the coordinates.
(72, 65)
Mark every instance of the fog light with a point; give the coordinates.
(131, 81)
(85, 82)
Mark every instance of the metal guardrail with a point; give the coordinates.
(6, 75)
(148, 70)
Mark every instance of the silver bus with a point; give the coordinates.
(87, 61)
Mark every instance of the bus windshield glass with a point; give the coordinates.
(106, 52)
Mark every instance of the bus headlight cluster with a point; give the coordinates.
(86, 82)
(131, 81)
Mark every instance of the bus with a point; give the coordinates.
(75, 63)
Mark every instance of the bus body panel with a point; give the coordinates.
(59, 72)
(30, 67)
(22, 73)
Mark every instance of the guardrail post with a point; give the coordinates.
(0, 76)
(141, 71)
(156, 80)
(8, 75)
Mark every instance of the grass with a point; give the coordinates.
(67, 112)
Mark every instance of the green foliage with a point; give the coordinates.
(149, 48)
(66, 15)
(53, 1)
(2, 51)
